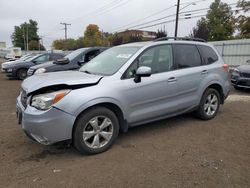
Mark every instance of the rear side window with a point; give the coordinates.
(208, 54)
(186, 56)
(56, 56)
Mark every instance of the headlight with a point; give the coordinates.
(45, 101)
(236, 71)
(41, 70)
(9, 70)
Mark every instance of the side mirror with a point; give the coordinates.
(80, 63)
(142, 71)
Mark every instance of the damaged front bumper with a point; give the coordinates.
(46, 127)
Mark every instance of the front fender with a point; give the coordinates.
(99, 101)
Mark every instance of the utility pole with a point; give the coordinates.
(27, 37)
(177, 18)
(24, 43)
(65, 29)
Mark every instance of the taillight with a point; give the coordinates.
(226, 67)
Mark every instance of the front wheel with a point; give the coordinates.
(95, 130)
(209, 105)
(22, 74)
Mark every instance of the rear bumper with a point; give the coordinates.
(46, 127)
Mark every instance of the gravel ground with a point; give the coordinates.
(177, 152)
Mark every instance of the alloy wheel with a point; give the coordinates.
(98, 132)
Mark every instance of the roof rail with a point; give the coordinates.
(180, 38)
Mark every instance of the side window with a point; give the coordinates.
(208, 54)
(186, 56)
(159, 59)
(90, 55)
(42, 58)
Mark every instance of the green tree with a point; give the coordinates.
(243, 21)
(92, 36)
(62, 44)
(24, 32)
(161, 33)
(34, 45)
(201, 30)
(220, 21)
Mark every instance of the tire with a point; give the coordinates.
(238, 88)
(209, 106)
(89, 137)
(22, 74)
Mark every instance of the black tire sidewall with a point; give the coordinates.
(201, 112)
(19, 73)
(81, 123)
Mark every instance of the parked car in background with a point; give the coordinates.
(23, 58)
(125, 86)
(18, 69)
(13, 53)
(241, 76)
(72, 61)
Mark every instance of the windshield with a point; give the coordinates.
(32, 57)
(110, 61)
(25, 57)
(75, 53)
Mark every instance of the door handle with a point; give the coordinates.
(172, 79)
(204, 72)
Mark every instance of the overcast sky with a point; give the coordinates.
(109, 15)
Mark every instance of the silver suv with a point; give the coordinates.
(123, 87)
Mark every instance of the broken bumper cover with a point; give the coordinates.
(46, 127)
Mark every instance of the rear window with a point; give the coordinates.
(208, 54)
(186, 56)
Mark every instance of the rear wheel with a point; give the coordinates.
(22, 74)
(209, 105)
(95, 130)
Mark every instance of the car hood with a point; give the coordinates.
(13, 63)
(43, 65)
(66, 78)
(244, 68)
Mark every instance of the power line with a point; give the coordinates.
(65, 29)
(171, 15)
(168, 21)
(154, 14)
(142, 19)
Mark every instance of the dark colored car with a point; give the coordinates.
(18, 69)
(72, 61)
(241, 76)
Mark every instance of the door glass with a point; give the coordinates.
(186, 56)
(158, 58)
(42, 58)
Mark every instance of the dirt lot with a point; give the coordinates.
(178, 152)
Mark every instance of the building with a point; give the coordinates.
(2, 44)
(146, 35)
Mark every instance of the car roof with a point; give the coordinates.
(153, 43)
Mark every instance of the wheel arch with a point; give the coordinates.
(218, 87)
(109, 105)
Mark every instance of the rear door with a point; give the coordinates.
(189, 74)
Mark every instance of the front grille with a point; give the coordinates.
(24, 98)
(245, 74)
(30, 72)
